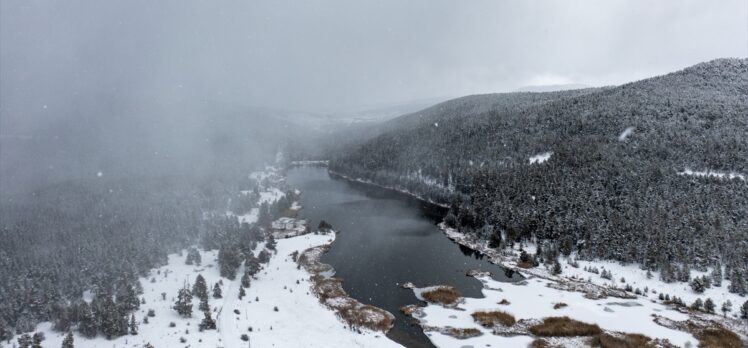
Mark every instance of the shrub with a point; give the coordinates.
(442, 295)
(605, 340)
(565, 327)
(490, 319)
(718, 337)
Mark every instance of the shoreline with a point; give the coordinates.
(696, 323)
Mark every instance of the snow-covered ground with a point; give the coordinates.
(533, 299)
(279, 309)
(536, 297)
(541, 157)
(713, 174)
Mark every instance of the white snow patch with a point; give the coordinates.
(541, 157)
(713, 173)
(626, 133)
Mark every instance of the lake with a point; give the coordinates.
(385, 239)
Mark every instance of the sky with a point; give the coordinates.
(92, 85)
(323, 55)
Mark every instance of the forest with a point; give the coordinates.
(98, 236)
(613, 186)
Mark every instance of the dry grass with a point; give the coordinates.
(490, 319)
(464, 333)
(565, 327)
(718, 337)
(605, 340)
(443, 295)
(559, 305)
(525, 264)
(540, 343)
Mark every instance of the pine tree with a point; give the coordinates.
(697, 284)
(204, 304)
(556, 268)
(717, 275)
(697, 304)
(228, 261)
(245, 280)
(217, 291)
(200, 288)
(68, 341)
(87, 321)
(264, 256)
(726, 308)
(241, 292)
(128, 298)
(24, 341)
(37, 340)
(737, 282)
(133, 325)
(709, 305)
(252, 265)
(183, 305)
(208, 323)
(744, 310)
(271, 243)
(193, 257)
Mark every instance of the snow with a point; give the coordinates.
(712, 173)
(626, 133)
(300, 321)
(533, 299)
(541, 157)
(637, 278)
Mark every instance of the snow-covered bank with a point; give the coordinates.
(601, 302)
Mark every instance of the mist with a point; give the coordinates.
(142, 87)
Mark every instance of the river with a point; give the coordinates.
(386, 239)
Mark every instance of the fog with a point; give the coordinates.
(173, 87)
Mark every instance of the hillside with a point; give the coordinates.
(605, 180)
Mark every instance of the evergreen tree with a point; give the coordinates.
(193, 257)
(737, 282)
(271, 243)
(228, 261)
(726, 308)
(264, 256)
(709, 305)
(245, 280)
(744, 310)
(87, 321)
(37, 340)
(200, 288)
(24, 341)
(183, 305)
(217, 291)
(697, 284)
(717, 275)
(133, 325)
(252, 265)
(556, 268)
(241, 292)
(208, 323)
(68, 341)
(204, 304)
(697, 304)
(127, 298)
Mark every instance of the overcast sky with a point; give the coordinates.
(323, 55)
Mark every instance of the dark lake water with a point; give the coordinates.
(386, 239)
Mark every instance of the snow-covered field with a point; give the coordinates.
(533, 299)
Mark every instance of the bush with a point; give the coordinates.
(442, 295)
(564, 327)
(490, 319)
